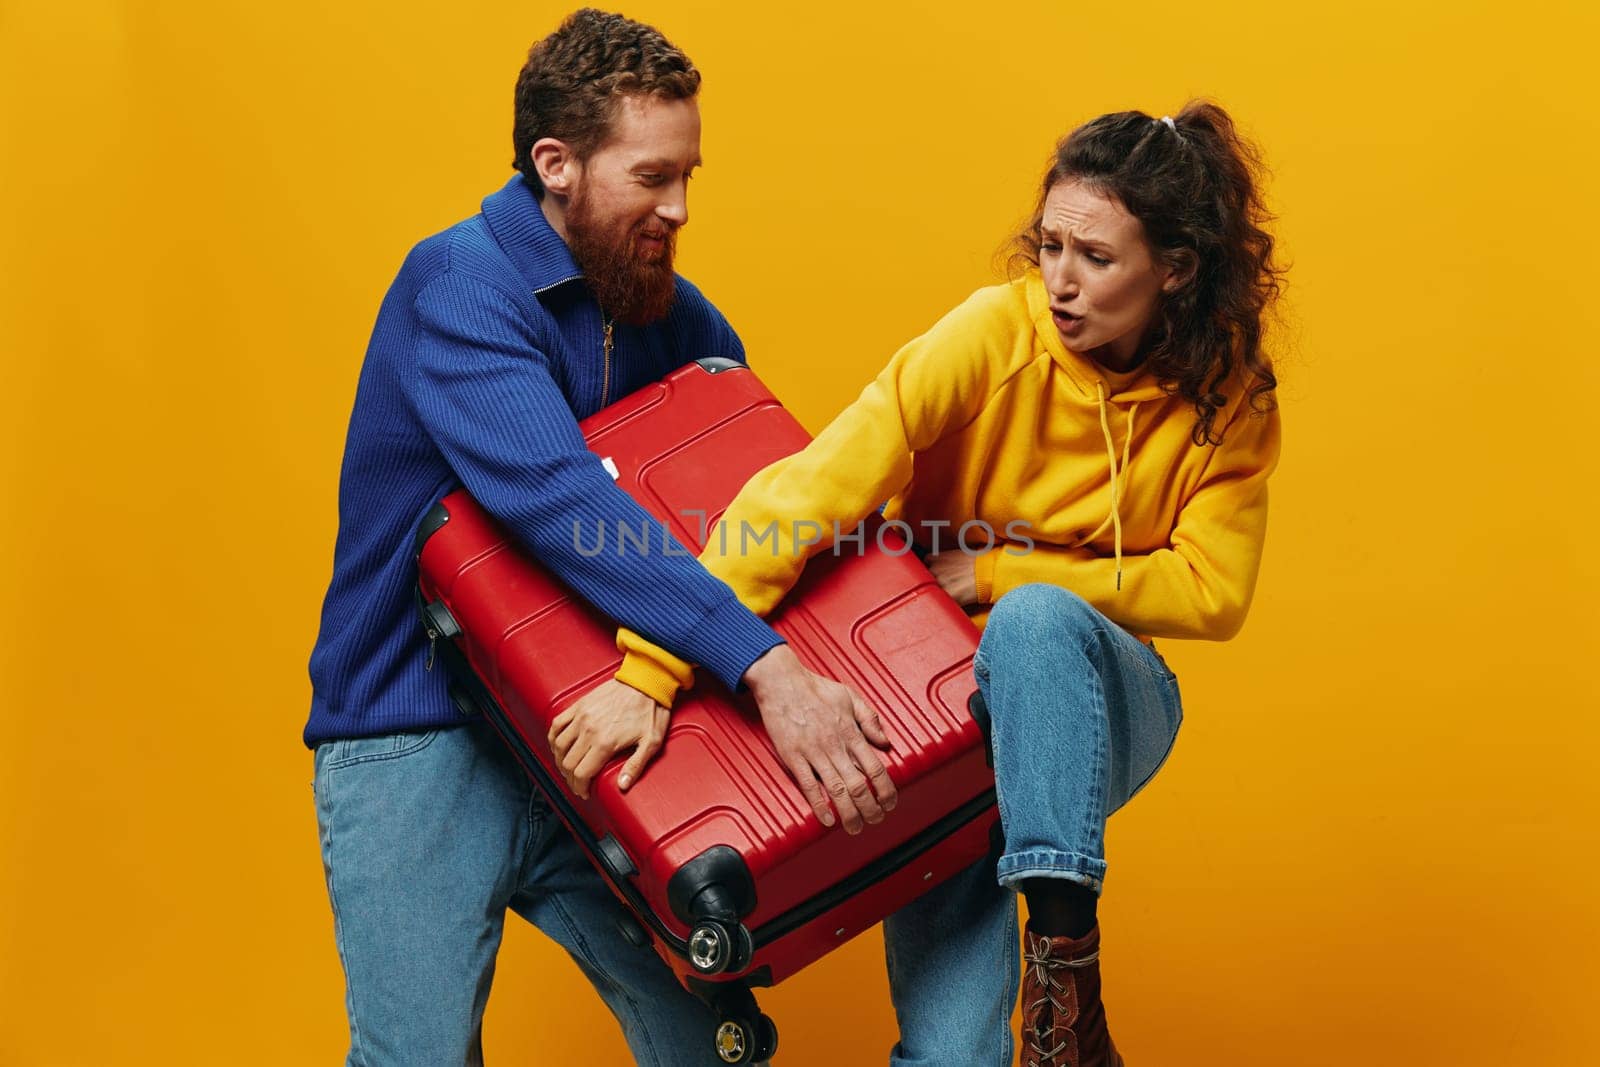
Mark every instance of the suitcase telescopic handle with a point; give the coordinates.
(718, 364)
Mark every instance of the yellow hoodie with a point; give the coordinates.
(989, 417)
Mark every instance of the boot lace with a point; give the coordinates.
(1051, 1042)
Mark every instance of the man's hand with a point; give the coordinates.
(821, 730)
(612, 718)
(957, 574)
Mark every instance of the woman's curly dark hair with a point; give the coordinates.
(1195, 186)
(571, 84)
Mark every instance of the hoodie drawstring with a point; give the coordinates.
(1117, 472)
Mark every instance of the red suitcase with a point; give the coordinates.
(715, 849)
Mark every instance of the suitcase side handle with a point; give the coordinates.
(980, 714)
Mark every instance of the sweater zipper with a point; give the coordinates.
(605, 383)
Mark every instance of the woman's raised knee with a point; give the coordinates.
(1040, 610)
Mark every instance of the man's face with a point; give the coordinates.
(629, 199)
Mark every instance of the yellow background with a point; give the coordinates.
(1377, 840)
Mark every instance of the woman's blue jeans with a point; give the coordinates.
(1082, 715)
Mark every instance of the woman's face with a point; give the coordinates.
(1103, 278)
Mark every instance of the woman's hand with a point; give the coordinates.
(957, 574)
(612, 718)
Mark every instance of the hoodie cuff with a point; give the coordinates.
(983, 574)
(650, 669)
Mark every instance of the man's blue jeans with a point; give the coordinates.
(1082, 715)
(427, 839)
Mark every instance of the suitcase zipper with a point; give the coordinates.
(605, 384)
(774, 928)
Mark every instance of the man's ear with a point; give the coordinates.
(556, 165)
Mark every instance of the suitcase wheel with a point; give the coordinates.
(717, 946)
(741, 1040)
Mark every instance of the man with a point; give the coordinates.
(495, 338)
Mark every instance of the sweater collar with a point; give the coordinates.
(525, 235)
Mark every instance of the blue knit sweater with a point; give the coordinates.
(487, 350)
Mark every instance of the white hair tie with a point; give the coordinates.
(1173, 126)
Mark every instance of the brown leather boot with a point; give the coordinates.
(1063, 1020)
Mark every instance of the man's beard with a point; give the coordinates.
(632, 285)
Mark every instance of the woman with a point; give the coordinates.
(1112, 409)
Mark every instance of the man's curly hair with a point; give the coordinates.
(575, 78)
